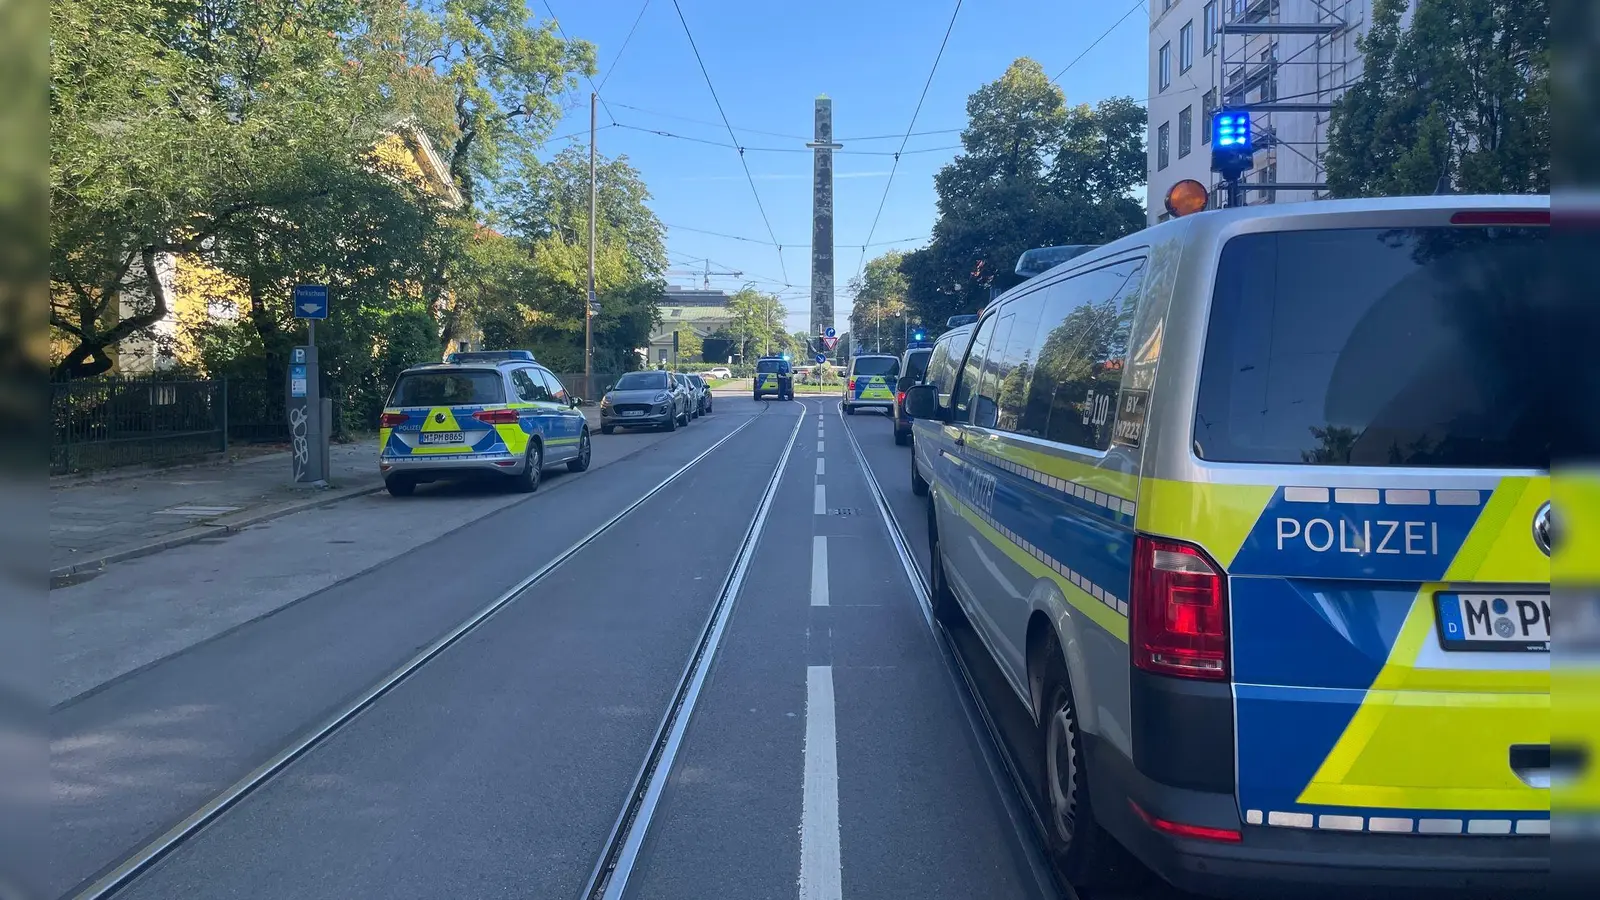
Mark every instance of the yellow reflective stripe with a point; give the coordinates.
(1218, 517)
(1500, 546)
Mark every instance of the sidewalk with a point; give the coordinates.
(98, 521)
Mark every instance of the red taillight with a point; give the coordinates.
(390, 420)
(1502, 217)
(1178, 615)
(1178, 829)
(496, 416)
(900, 398)
(852, 384)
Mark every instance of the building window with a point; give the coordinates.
(1164, 67)
(1186, 47)
(1208, 25)
(1185, 131)
(1163, 145)
(1208, 106)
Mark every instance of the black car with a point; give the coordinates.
(913, 366)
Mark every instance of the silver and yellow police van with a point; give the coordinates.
(1251, 509)
(870, 382)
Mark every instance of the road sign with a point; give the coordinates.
(297, 381)
(830, 341)
(310, 301)
(829, 332)
(821, 359)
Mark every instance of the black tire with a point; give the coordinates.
(1079, 849)
(399, 486)
(672, 423)
(901, 438)
(919, 485)
(709, 406)
(849, 410)
(607, 429)
(533, 472)
(581, 464)
(940, 597)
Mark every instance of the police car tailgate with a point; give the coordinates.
(1388, 616)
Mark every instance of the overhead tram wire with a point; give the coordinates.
(621, 50)
(782, 267)
(1107, 33)
(556, 21)
(862, 263)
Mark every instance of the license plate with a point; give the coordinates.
(633, 412)
(442, 437)
(1516, 622)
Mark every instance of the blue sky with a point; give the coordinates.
(768, 61)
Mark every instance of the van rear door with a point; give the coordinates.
(1384, 393)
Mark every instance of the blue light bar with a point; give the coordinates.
(958, 321)
(490, 356)
(1042, 259)
(1230, 130)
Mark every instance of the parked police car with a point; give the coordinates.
(491, 413)
(1251, 509)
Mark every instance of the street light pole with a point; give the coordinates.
(589, 302)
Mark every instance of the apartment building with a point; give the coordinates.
(1287, 61)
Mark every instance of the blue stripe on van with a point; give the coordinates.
(1068, 529)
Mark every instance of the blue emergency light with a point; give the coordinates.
(919, 335)
(466, 356)
(1233, 145)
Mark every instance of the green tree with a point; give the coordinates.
(1034, 172)
(879, 311)
(758, 322)
(1460, 98)
(690, 347)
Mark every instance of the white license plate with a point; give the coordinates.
(633, 412)
(1494, 621)
(442, 437)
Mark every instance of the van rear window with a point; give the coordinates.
(876, 365)
(917, 365)
(1381, 347)
(462, 387)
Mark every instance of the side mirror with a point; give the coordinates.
(575, 401)
(922, 402)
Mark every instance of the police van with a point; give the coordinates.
(1251, 509)
(870, 382)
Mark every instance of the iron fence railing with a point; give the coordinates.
(107, 422)
(590, 387)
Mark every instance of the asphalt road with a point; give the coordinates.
(830, 754)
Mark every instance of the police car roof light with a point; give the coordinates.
(464, 356)
(958, 321)
(1042, 259)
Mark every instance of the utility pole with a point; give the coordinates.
(589, 310)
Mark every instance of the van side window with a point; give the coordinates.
(967, 378)
(986, 410)
(529, 388)
(1083, 339)
(1021, 358)
(553, 384)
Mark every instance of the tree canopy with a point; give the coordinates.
(1461, 99)
(879, 312)
(1034, 172)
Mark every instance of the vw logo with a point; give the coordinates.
(1541, 528)
(439, 417)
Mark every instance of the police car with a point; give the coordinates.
(1251, 509)
(489, 413)
(870, 382)
(774, 375)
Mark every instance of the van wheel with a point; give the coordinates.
(399, 486)
(919, 485)
(849, 410)
(528, 481)
(581, 462)
(940, 597)
(607, 429)
(901, 438)
(1078, 847)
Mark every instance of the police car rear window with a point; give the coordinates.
(876, 365)
(917, 364)
(1380, 347)
(455, 388)
(772, 365)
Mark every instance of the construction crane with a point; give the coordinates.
(704, 273)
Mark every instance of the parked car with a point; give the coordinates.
(717, 374)
(495, 414)
(702, 393)
(640, 399)
(691, 396)
(913, 365)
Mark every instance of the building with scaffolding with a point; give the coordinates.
(1286, 61)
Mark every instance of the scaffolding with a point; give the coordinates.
(1287, 62)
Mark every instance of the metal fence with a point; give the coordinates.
(102, 423)
(591, 387)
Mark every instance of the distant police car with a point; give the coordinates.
(495, 413)
(1250, 509)
(870, 382)
(774, 375)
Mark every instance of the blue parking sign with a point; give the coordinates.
(310, 301)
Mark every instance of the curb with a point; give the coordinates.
(219, 526)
